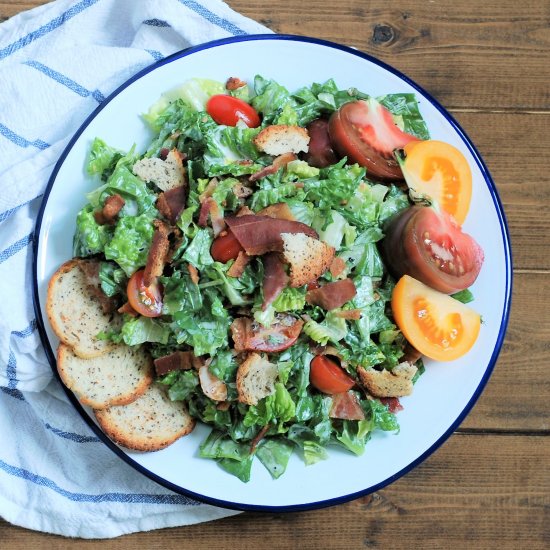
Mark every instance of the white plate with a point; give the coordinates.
(442, 397)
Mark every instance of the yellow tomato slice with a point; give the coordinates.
(437, 325)
(441, 172)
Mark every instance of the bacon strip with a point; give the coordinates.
(128, 309)
(193, 273)
(211, 207)
(112, 206)
(280, 211)
(261, 234)
(237, 269)
(275, 278)
(332, 295)
(158, 252)
(274, 167)
(172, 203)
(337, 267)
(350, 314)
(346, 406)
(179, 360)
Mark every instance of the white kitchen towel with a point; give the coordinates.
(57, 63)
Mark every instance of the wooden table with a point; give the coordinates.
(488, 486)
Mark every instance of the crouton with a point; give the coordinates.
(117, 377)
(255, 379)
(212, 386)
(279, 139)
(150, 423)
(395, 383)
(165, 174)
(75, 314)
(309, 258)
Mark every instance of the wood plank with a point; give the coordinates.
(518, 165)
(518, 392)
(492, 57)
(474, 492)
(488, 54)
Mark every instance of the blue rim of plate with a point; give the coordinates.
(498, 344)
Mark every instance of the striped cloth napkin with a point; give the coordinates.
(57, 63)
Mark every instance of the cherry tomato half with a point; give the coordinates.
(146, 300)
(441, 172)
(437, 325)
(225, 248)
(365, 132)
(329, 377)
(432, 248)
(228, 110)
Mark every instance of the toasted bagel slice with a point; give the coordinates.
(150, 423)
(117, 377)
(75, 314)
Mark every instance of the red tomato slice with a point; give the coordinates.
(441, 172)
(432, 248)
(146, 300)
(228, 110)
(364, 131)
(225, 248)
(328, 377)
(437, 325)
(249, 335)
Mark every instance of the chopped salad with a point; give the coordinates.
(254, 248)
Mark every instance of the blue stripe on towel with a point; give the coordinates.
(157, 56)
(26, 332)
(45, 29)
(212, 17)
(11, 371)
(104, 497)
(156, 23)
(12, 392)
(72, 436)
(15, 247)
(21, 141)
(66, 81)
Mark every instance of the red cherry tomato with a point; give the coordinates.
(364, 132)
(146, 300)
(225, 248)
(430, 247)
(329, 377)
(228, 110)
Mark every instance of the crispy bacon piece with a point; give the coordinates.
(172, 203)
(193, 273)
(280, 211)
(346, 406)
(332, 295)
(261, 234)
(212, 386)
(244, 211)
(91, 275)
(209, 190)
(211, 207)
(350, 314)
(112, 206)
(234, 83)
(259, 436)
(156, 258)
(275, 278)
(274, 167)
(179, 360)
(237, 269)
(337, 267)
(393, 404)
(128, 309)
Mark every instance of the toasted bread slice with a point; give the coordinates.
(396, 383)
(150, 423)
(165, 174)
(255, 379)
(280, 138)
(309, 258)
(117, 377)
(75, 315)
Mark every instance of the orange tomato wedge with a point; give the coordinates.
(437, 325)
(441, 172)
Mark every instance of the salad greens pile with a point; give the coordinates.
(339, 202)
